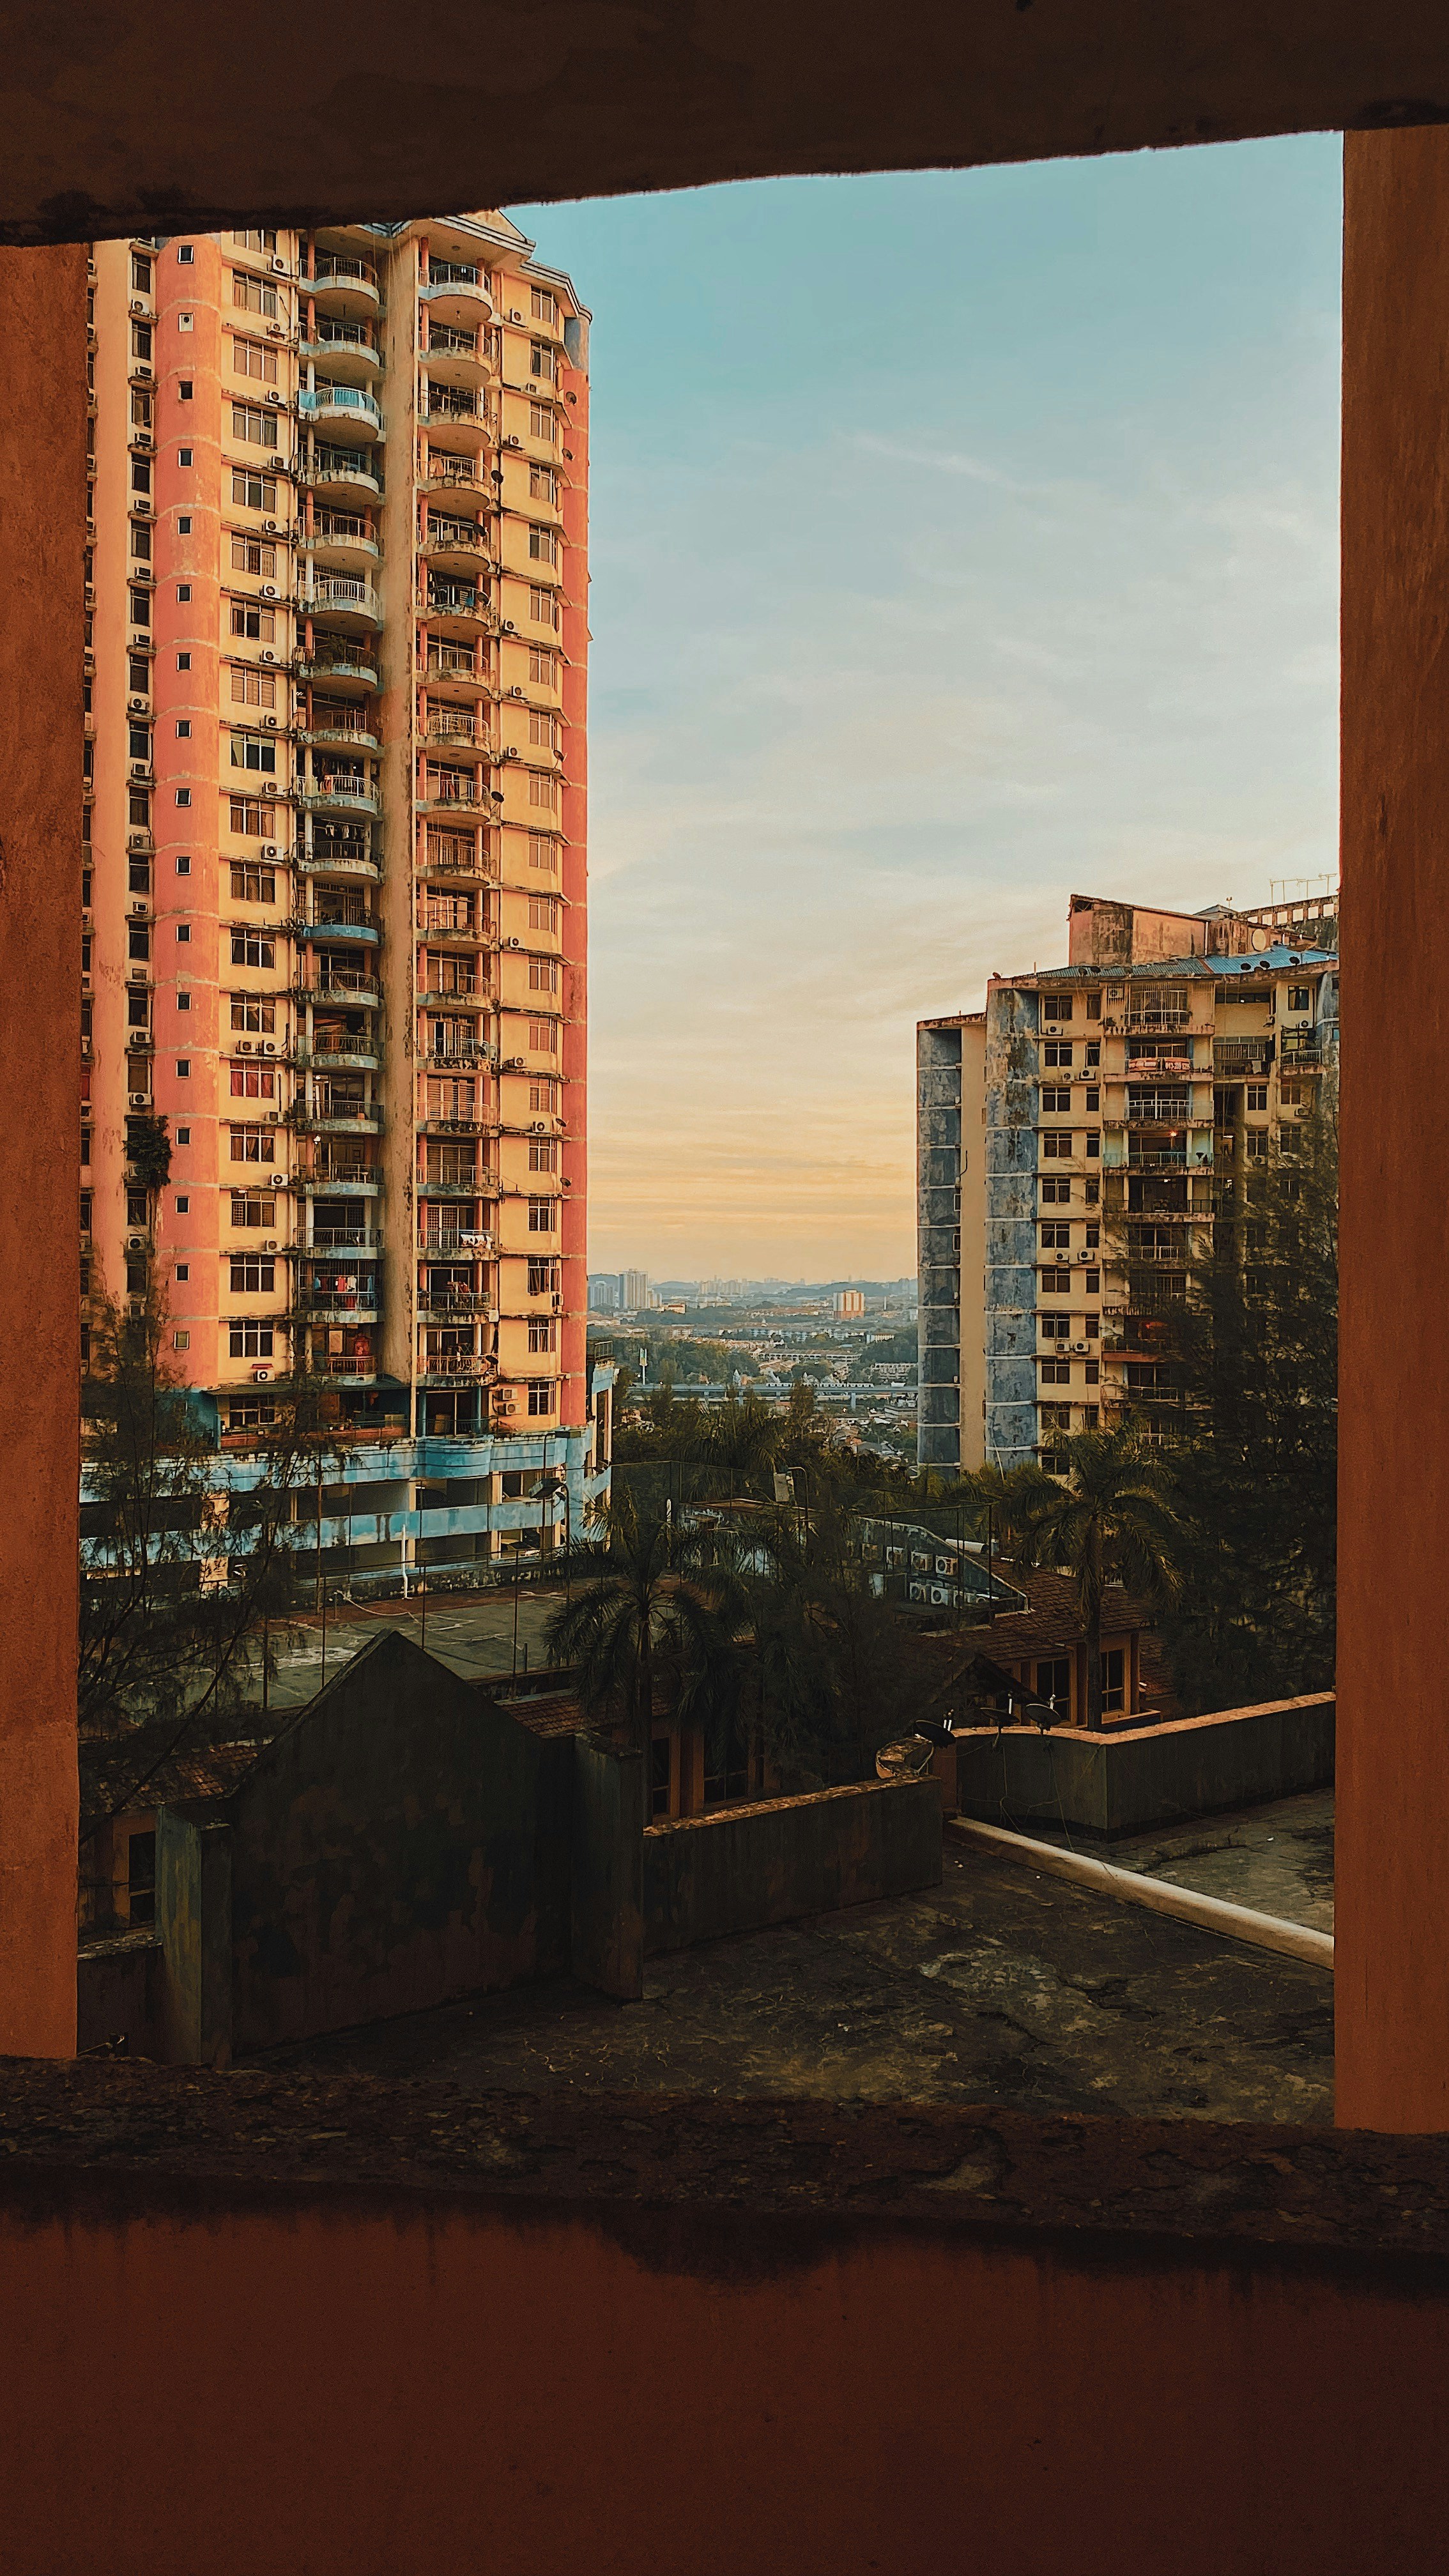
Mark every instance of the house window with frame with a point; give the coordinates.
(543, 545)
(249, 1011)
(1055, 1193)
(543, 727)
(254, 821)
(543, 306)
(542, 853)
(542, 1333)
(1056, 1236)
(253, 885)
(253, 427)
(542, 607)
(1114, 1680)
(543, 485)
(543, 1278)
(1056, 1052)
(543, 912)
(258, 625)
(253, 491)
(543, 974)
(543, 1037)
(542, 788)
(251, 1213)
(541, 362)
(254, 359)
(1055, 1328)
(1056, 1100)
(1056, 1283)
(252, 1277)
(1257, 1102)
(1300, 997)
(249, 1338)
(542, 1392)
(253, 1082)
(1056, 1145)
(1054, 1674)
(141, 342)
(541, 424)
(253, 555)
(542, 1216)
(141, 274)
(1056, 1006)
(543, 1154)
(254, 295)
(1056, 1372)
(544, 1095)
(252, 688)
(253, 1144)
(253, 751)
(141, 412)
(249, 948)
(255, 240)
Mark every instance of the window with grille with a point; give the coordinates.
(543, 1037)
(543, 1095)
(452, 1098)
(543, 974)
(542, 1154)
(249, 949)
(543, 1278)
(140, 274)
(251, 1277)
(541, 1216)
(253, 1145)
(252, 688)
(541, 1392)
(141, 341)
(254, 428)
(250, 554)
(249, 1339)
(542, 853)
(253, 1213)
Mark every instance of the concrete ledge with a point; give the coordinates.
(1135, 1887)
(1151, 1775)
(782, 1857)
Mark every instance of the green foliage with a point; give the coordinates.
(1256, 1472)
(148, 1151)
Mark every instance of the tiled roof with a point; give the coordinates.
(119, 1778)
(1052, 1623)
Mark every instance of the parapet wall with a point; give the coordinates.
(1150, 1775)
(784, 1857)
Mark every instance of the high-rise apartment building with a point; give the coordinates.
(1074, 1141)
(633, 1290)
(335, 881)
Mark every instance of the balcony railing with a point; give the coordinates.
(348, 335)
(342, 590)
(451, 787)
(453, 272)
(342, 523)
(335, 270)
(455, 1364)
(453, 661)
(453, 469)
(455, 724)
(329, 396)
(338, 1238)
(453, 532)
(447, 402)
(455, 599)
(337, 463)
(443, 342)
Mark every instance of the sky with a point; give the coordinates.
(960, 541)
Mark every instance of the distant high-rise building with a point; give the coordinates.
(1075, 1140)
(604, 1292)
(335, 886)
(849, 1301)
(633, 1290)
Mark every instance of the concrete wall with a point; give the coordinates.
(607, 1899)
(1151, 1775)
(119, 1993)
(405, 1841)
(710, 1875)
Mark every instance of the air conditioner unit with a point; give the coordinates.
(269, 720)
(140, 904)
(1079, 1350)
(260, 1376)
(243, 1046)
(269, 590)
(269, 657)
(274, 1115)
(537, 1126)
(267, 1047)
(270, 523)
(275, 331)
(136, 1242)
(140, 769)
(137, 840)
(512, 943)
(269, 849)
(270, 1245)
(508, 626)
(139, 703)
(137, 1100)
(515, 691)
(512, 442)
(531, 387)
(141, 367)
(141, 505)
(136, 304)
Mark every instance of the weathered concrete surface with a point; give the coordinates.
(999, 1988)
(119, 1994)
(1393, 1775)
(707, 1876)
(1277, 1859)
(1125, 1782)
(607, 1873)
(42, 533)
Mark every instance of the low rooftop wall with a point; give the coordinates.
(783, 1857)
(1149, 1775)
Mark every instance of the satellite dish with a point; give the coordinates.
(910, 1759)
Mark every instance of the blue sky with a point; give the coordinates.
(960, 541)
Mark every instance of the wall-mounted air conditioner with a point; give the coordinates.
(243, 1046)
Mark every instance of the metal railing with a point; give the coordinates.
(349, 461)
(341, 590)
(455, 724)
(453, 272)
(451, 787)
(453, 469)
(338, 1238)
(447, 402)
(443, 531)
(346, 335)
(335, 268)
(342, 523)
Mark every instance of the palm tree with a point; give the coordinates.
(744, 1438)
(651, 1601)
(1111, 1521)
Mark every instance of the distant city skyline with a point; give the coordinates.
(960, 541)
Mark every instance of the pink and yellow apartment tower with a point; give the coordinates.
(335, 876)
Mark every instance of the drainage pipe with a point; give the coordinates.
(1238, 1922)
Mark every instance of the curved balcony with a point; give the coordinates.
(328, 732)
(347, 413)
(449, 541)
(338, 664)
(454, 293)
(453, 356)
(460, 725)
(457, 608)
(443, 474)
(356, 992)
(340, 1180)
(358, 865)
(337, 796)
(345, 601)
(456, 997)
(340, 473)
(345, 350)
(348, 1052)
(340, 538)
(343, 286)
(443, 790)
(455, 420)
(452, 665)
(340, 926)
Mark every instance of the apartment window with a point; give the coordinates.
(543, 974)
(140, 474)
(251, 491)
(1056, 1006)
(249, 949)
(248, 751)
(253, 885)
(183, 527)
(1055, 1328)
(140, 541)
(542, 853)
(543, 607)
(135, 1278)
(541, 1216)
(249, 1340)
(254, 359)
(542, 788)
(1091, 1413)
(1094, 1143)
(543, 1037)
(138, 943)
(252, 1212)
(255, 240)
(543, 545)
(141, 342)
(253, 1082)
(1093, 1103)
(543, 485)
(1056, 1237)
(138, 1010)
(1257, 1143)
(181, 1341)
(253, 1145)
(140, 409)
(543, 912)
(253, 295)
(250, 554)
(542, 1154)
(1054, 1678)
(1114, 1679)
(248, 1011)
(1056, 1283)
(543, 728)
(1300, 997)
(183, 729)
(138, 742)
(251, 1277)
(542, 1333)
(1056, 1372)
(1057, 1051)
(1056, 1145)
(1055, 1193)
(183, 590)
(1094, 1238)
(540, 362)
(1056, 1417)
(544, 306)
(183, 1135)
(140, 274)
(1056, 1100)
(540, 1394)
(183, 456)
(452, 1098)
(259, 625)
(252, 688)
(183, 661)
(1257, 1098)
(185, 389)
(1093, 1279)
(258, 822)
(140, 608)
(253, 427)
(543, 1277)
(543, 1095)
(138, 808)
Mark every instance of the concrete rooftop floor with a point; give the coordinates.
(1000, 1987)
